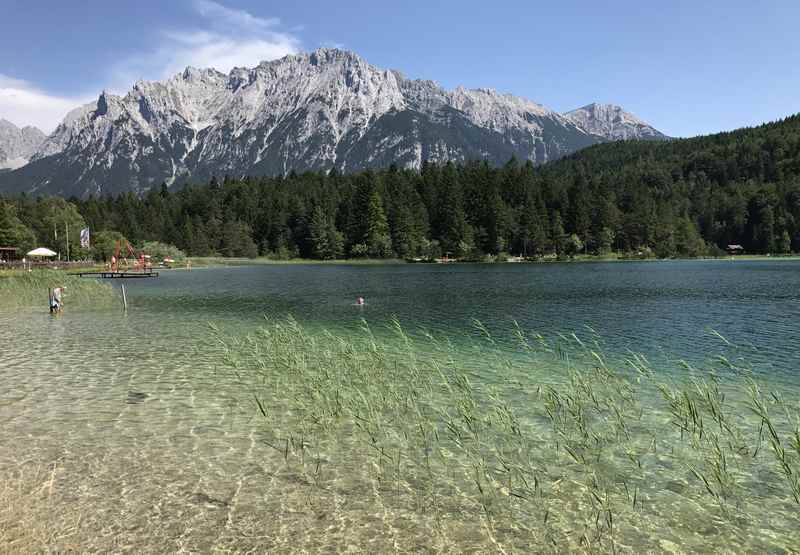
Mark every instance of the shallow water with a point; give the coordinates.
(152, 445)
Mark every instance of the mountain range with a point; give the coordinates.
(312, 111)
(17, 145)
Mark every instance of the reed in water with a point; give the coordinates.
(19, 289)
(523, 442)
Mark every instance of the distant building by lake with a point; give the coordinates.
(8, 253)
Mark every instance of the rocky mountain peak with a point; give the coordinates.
(309, 111)
(17, 145)
(613, 122)
(102, 104)
(325, 55)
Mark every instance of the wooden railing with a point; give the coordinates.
(44, 264)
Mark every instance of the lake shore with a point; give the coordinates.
(212, 261)
(198, 262)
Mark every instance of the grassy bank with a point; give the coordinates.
(618, 258)
(214, 261)
(20, 289)
(554, 447)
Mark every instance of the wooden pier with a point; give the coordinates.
(119, 275)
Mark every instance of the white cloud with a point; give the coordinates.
(207, 49)
(22, 104)
(226, 39)
(235, 18)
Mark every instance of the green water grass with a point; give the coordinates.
(553, 446)
(23, 289)
(214, 261)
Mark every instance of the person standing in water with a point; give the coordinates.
(360, 301)
(57, 300)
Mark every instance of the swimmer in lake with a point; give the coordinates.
(360, 301)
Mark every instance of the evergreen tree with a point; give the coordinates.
(376, 228)
(455, 234)
(557, 235)
(785, 243)
(326, 241)
(236, 240)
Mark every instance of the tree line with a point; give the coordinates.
(687, 197)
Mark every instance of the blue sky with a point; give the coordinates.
(687, 67)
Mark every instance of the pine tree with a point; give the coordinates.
(557, 236)
(455, 234)
(326, 241)
(376, 228)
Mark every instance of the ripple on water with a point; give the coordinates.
(154, 445)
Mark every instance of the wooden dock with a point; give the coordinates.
(119, 275)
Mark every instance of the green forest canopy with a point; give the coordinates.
(685, 197)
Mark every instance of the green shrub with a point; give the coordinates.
(160, 251)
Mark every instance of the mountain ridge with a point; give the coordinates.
(18, 144)
(613, 122)
(311, 111)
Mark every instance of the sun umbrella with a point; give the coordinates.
(41, 251)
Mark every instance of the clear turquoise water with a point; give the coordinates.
(664, 309)
(155, 447)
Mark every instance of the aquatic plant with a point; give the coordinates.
(24, 506)
(29, 289)
(551, 443)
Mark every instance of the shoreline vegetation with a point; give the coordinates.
(23, 289)
(214, 261)
(605, 454)
(183, 262)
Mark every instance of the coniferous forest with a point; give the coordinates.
(686, 197)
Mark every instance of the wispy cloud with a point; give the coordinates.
(235, 18)
(226, 38)
(22, 104)
(222, 38)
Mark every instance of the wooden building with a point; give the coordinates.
(7, 254)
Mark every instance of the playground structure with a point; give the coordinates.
(141, 261)
(119, 267)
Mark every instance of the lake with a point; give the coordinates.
(134, 432)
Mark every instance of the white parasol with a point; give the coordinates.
(41, 251)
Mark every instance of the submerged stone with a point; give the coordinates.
(204, 499)
(135, 397)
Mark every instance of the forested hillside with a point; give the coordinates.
(679, 198)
